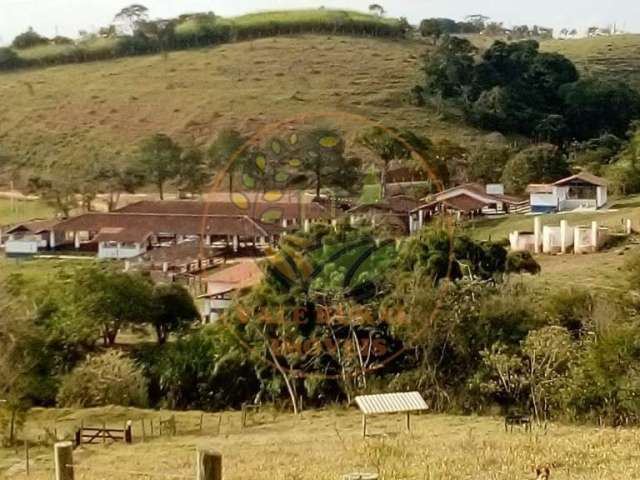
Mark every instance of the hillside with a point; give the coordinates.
(616, 57)
(60, 115)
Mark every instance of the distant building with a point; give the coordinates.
(225, 284)
(582, 191)
(27, 238)
(467, 201)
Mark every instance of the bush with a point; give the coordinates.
(9, 59)
(522, 262)
(29, 39)
(539, 163)
(107, 379)
(201, 371)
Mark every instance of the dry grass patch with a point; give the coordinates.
(326, 444)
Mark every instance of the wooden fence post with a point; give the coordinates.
(26, 456)
(128, 437)
(63, 460)
(144, 433)
(201, 421)
(209, 465)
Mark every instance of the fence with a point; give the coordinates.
(91, 435)
(208, 464)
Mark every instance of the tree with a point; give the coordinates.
(537, 164)
(378, 9)
(58, 192)
(450, 68)
(593, 107)
(624, 173)
(29, 39)
(324, 163)
(192, 173)
(227, 154)
(173, 310)
(387, 145)
(8, 59)
(131, 16)
(159, 161)
(113, 298)
(436, 27)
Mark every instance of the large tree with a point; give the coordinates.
(173, 310)
(131, 16)
(159, 161)
(227, 154)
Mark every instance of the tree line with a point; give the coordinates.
(135, 33)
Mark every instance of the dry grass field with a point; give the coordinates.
(327, 444)
(58, 116)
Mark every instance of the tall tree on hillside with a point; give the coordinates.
(226, 154)
(389, 144)
(57, 192)
(324, 163)
(173, 310)
(159, 161)
(132, 15)
(192, 172)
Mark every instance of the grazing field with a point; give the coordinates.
(21, 210)
(616, 57)
(327, 444)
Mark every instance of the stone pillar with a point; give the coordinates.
(537, 234)
(594, 235)
(563, 236)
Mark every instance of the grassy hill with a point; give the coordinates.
(325, 445)
(57, 116)
(616, 57)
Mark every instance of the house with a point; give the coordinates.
(122, 243)
(394, 212)
(467, 201)
(27, 238)
(224, 285)
(582, 191)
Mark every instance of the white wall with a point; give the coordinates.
(22, 246)
(543, 199)
(602, 196)
(106, 250)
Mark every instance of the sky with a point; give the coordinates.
(67, 17)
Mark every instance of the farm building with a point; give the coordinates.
(235, 223)
(394, 212)
(582, 191)
(225, 284)
(467, 201)
(28, 238)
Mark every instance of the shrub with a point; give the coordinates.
(8, 59)
(107, 379)
(539, 163)
(522, 262)
(29, 39)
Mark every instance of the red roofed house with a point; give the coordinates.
(468, 200)
(223, 285)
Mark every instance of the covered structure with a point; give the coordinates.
(223, 285)
(582, 191)
(28, 238)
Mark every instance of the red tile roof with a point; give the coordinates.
(585, 177)
(158, 223)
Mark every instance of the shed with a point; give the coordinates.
(386, 403)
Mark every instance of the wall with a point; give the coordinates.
(105, 250)
(22, 246)
(545, 200)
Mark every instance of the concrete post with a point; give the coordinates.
(563, 236)
(209, 465)
(420, 219)
(52, 239)
(594, 235)
(537, 234)
(76, 240)
(235, 243)
(628, 228)
(577, 246)
(307, 225)
(63, 460)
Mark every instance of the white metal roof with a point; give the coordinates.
(391, 403)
